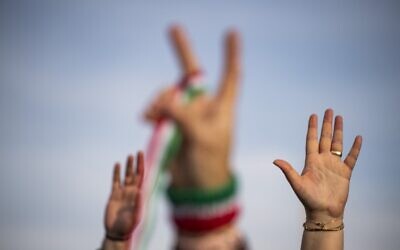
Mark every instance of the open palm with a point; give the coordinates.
(123, 207)
(323, 186)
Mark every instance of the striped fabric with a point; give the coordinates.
(164, 143)
(199, 210)
(204, 224)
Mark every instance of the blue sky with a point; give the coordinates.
(75, 77)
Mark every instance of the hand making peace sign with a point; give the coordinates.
(206, 123)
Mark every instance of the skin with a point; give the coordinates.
(323, 186)
(206, 123)
(123, 207)
(204, 159)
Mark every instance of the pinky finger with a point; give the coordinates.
(351, 158)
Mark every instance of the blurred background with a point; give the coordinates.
(76, 76)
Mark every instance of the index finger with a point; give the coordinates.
(183, 51)
(312, 135)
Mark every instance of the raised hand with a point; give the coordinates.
(206, 123)
(323, 186)
(123, 207)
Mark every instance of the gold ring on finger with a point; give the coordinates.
(337, 153)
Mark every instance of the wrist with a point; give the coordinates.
(200, 175)
(318, 215)
(113, 237)
(212, 177)
(113, 245)
(323, 221)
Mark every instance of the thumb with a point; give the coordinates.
(291, 175)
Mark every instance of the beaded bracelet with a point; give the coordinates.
(323, 226)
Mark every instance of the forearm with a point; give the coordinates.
(114, 245)
(327, 240)
(228, 237)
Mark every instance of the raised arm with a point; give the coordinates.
(323, 186)
(202, 165)
(206, 123)
(123, 206)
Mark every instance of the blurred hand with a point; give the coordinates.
(206, 123)
(123, 207)
(323, 186)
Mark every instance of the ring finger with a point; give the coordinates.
(337, 140)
